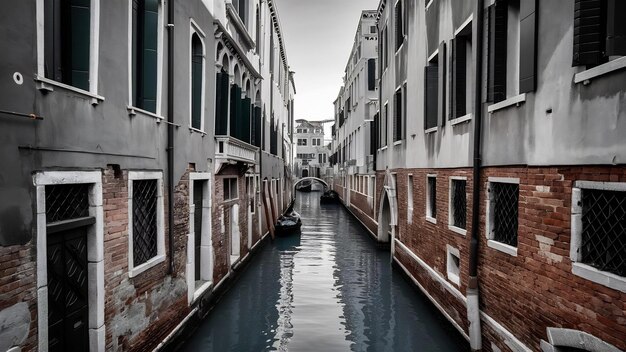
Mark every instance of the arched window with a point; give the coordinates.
(197, 82)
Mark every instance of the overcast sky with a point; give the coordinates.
(318, 38)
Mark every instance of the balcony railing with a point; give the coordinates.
(229, 149)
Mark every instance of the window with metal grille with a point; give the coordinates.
(431, 195)
(603, 243)
(230, 188)
(458, 203)
(505, 198)
(144, 220)
(66, 202)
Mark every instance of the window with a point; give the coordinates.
(431, 198)
(433, 89)
(453, 265)
(241, 6)
(144, 54)
(372, 29)
(598, 245)
(461, 72)
(230, 188)
(299, 130)
(399, 17)
(599, 31)
(385, 45)
(67, 42)
(511, 71)
(458, 204)
(320, 158)
(257, 42)
(398, 104)
(383, 130)
(146, 219)
(409, 216)
(251, 192)
(371, 74)
(197, 82)
(302, 141)
(502, 217)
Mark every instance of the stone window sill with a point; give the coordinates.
(505, 248)
(600, 277)
(431, 219)
(46, 84)
(132, 111)
(201, 290)
(431, 130)
(585, 77)
(461, 119)
(455, 279)
(195, 130)
(133, 272)
(458, 230)
(516, 100)
(397, 143)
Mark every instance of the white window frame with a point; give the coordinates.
(160, 25)
(453, 272)
(229, 189)
(47, 84)
(428, 213)
(194, 28)
(489, 220)
(134, 271)
(95, 254)
(206, 244)
(580, 269)
(409, 208)
(451, 206)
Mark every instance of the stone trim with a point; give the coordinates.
(559, 337)
(206, 244)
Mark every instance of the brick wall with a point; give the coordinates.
(362, 210)
(530, 292)
(141, 311)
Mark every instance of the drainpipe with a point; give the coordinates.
(473, 308)
(170, 131)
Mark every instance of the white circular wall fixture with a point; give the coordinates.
(18, 78)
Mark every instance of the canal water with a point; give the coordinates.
(328, 289)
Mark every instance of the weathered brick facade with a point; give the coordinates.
(527, 293)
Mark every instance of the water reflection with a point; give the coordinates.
(328, 289)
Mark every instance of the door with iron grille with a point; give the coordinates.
(68, 223)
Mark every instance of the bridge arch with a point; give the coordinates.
(310, 178)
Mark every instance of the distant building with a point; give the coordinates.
(312, 155)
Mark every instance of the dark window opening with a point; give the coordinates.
(431, 92)
(505, 207)
(399, 16)
(461, 69)
(144, 220)
(197, 74)
(459, 203)
(604, 230)
(67, 41)
(432, 197)
(398, 121)
(145, 18)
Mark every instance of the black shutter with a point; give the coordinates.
(221, 104)
(498, 14)
(235, 112)
(196, 82)
(459, 80)
(245, 119)
(399, 25)
(431, 83)
(371, 74)
(52, 41)
(528, 46)
(78, 53)
(148, 63)
(397, 121)
(374, 135)
(588, 32)
(441, 87)
(616, 28)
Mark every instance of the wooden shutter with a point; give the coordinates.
(616, 28)
(498, 15)
(221, 104)
(79, 24)
(459, 80)
(588, 32)
(196, 82)
(399, 25)
(431, 83)
(52, 40)
(235, 112)
(148, 53)
(528, 46)
(245, 119)
(397, 121)
(371, 74)
(441, 86)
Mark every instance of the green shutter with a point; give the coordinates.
(149, 48)
(235, 112)
(221, 104)
(245, 119)
(80, 17)
(196, 82)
